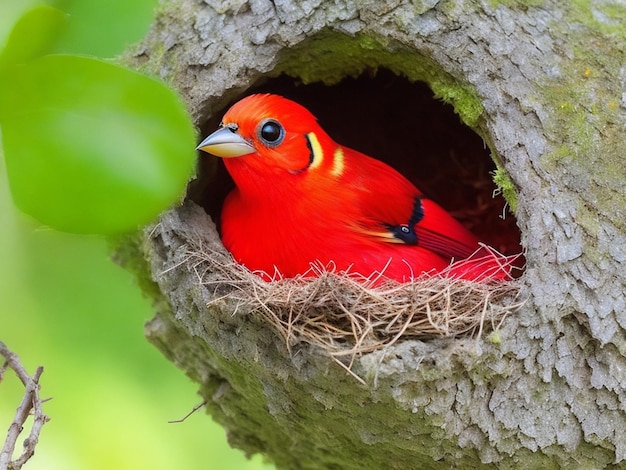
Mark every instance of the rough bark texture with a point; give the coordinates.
(544, 83)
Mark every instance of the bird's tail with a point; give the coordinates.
(485, 264)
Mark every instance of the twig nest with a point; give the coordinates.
(343, 315)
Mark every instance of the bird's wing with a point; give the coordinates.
(438, 231)
(393, 210)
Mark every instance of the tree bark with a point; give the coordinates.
(544, 84)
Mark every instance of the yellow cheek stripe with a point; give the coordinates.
(316, 149)
(338, 163)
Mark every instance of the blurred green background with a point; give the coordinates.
(66, 306)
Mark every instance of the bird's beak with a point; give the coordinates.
(226, 143)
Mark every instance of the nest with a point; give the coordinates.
(347, 316)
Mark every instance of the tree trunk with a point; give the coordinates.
(544, 84)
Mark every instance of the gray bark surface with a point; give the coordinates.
(550, 81)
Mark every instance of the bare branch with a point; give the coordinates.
(31, 403)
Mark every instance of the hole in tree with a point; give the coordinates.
(403, 124)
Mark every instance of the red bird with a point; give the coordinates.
(302, 201)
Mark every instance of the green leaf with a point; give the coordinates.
(91, 147)
(34, 35)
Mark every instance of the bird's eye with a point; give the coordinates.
(271, 132)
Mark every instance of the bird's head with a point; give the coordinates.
(264, 136)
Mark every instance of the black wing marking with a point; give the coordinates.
(406, 232)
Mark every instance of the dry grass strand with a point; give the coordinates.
(346, 315)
